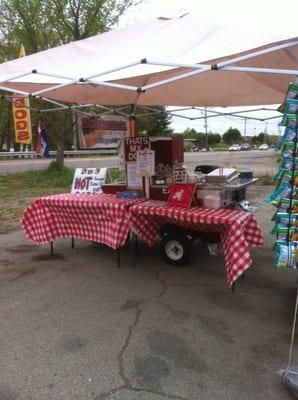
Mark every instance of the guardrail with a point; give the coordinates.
(67, 153)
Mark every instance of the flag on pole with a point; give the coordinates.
(42, 144)
(21, 114)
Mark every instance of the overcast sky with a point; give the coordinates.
(263, 15)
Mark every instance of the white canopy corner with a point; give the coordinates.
(179, 61)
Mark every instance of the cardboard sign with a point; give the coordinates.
(132, 145)
(145, 162)
(101, 132)
(88, 180)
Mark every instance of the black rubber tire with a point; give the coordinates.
(176, 242)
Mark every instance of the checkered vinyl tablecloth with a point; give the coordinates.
(237, 229)
(99, 217)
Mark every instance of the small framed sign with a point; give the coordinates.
(181, 194)
(145, 163)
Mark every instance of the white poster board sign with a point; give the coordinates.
(145, 162)
(133, 180)
(88, 180)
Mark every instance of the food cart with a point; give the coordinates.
(171, 208)
(225, 70)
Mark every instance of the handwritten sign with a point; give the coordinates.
(145, 162)
(132, 145)
(133, 180)
(88, 180)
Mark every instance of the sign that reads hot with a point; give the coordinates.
(132, 145)
(88, 180)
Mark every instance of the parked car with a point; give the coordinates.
(264, 146)
(199, 149)
(245, 147)
(235, 147)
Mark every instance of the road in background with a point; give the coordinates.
(262, 161)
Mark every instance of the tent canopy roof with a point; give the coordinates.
(140, 64)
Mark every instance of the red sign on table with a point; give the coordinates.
(181, 194)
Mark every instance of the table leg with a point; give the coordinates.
(118, 257)
(233, 287)
(136, 245)
(135, 249)
(72, 243)
(52, 248)
(243, 275)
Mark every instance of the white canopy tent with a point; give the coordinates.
(171, 61)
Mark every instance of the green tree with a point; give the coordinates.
(43, 24)
(154, 124)
(232, 135)
(190, 133)
(214, 138)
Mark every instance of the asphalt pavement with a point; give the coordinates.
(75, 327)
(255, 159)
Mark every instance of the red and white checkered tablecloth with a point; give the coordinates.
(99, 217)
(237, 229)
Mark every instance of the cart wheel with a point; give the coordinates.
(175, 248)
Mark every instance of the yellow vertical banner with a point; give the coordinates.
(21, 115)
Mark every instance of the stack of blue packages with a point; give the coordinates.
(130, 194)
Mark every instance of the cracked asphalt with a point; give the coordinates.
(75, 327)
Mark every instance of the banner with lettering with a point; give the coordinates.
(101, 132)
(21, 115)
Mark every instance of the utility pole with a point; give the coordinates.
(244, 128)
(74, 129)
(265, 133)
(206, 129)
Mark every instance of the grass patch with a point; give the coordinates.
(19, 190)
(53, 176)
(266, 181)
(115, 175)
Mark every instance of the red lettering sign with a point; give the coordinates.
(82, 183)
(23, 135)
(21, 124)
(19, 102)
(20, 114)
